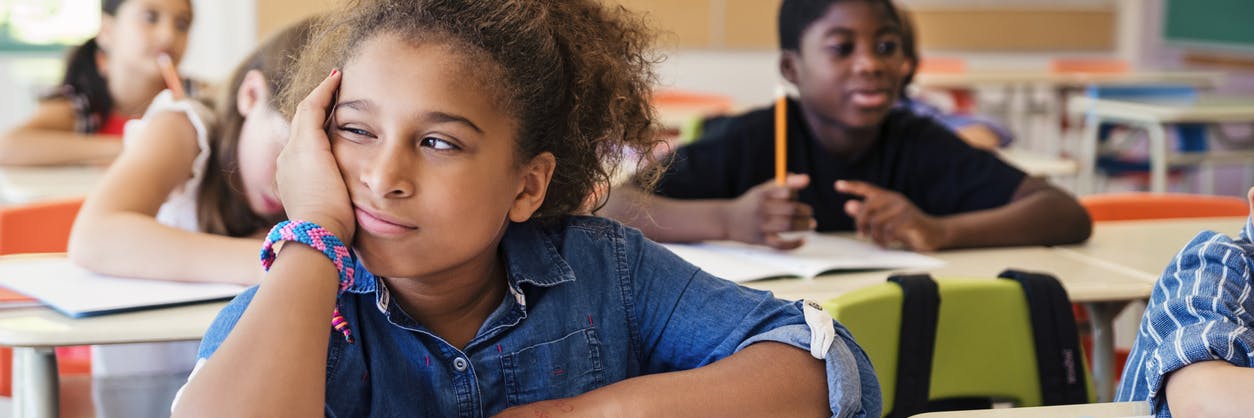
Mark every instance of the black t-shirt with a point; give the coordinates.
(914, 156)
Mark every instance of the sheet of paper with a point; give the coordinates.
(821, 253)
(77, 292)
(725, 266)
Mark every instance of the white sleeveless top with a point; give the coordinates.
(179, 211)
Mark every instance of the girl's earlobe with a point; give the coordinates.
(535, 186)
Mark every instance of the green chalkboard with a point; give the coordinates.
(1224, 24)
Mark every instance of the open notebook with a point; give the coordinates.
(820, 254)
(76, 292)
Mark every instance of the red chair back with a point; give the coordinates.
(42, 227)
(1134, 206)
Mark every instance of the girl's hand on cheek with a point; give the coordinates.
(309, 180)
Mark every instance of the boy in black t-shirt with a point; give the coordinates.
(898, 178)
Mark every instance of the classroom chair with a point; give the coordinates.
(964, 342)
(42, 227)
(1139, 206)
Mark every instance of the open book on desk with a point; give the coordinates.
(821, 254)
(76, 292)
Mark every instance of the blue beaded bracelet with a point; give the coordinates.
(318, 238)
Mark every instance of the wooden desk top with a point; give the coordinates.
(1145, 247)
(1205, 108)
(44, 327)
(31, 184)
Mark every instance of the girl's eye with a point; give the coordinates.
(842, 49)
(886, 48)
(354, 134)
(183, 25)
(151, 16)
(438, 144)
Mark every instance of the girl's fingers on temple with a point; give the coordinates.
(314, 110)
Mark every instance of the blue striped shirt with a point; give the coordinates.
(1201, 310)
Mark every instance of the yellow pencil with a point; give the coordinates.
(781, 135)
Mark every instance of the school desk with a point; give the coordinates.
(1023, 86)
(1037, 164)
(35, 332)
(1092, 410)
(32, 184)
(1145, 247)
(1154, 116)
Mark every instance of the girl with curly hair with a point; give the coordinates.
(451, 146)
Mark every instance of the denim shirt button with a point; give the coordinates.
(459, 364)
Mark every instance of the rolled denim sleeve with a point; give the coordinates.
(224, 323)
(852, 388)
(1201, 310)
(688, 319)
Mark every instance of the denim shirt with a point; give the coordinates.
(1200, 310)
(590, 303)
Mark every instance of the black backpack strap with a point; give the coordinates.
(1056, 338)
(920, 306)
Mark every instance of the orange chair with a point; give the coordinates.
(716, 103)
(42, 227)
(964, 98)
(942, 65)
(1089, 65)
(1139, 206)
(1134, 206)
(682, 115)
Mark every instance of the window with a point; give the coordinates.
(46, 25)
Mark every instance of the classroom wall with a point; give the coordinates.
(272, 15)
(729, 46)
(1011, 25)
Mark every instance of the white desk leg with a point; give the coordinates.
(1102, 318)
(1158, 157)
(36, 392)
(1088, 156)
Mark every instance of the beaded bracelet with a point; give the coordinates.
(320, 239)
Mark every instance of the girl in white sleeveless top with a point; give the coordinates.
(189, 199)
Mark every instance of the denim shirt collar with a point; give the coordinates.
(530, 256)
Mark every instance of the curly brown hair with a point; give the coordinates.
(576, 75)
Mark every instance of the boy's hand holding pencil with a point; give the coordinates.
(767, 214)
